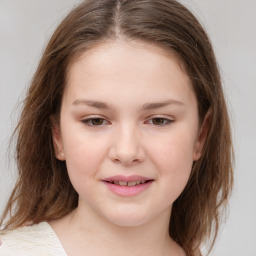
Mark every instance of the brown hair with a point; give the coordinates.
(43, 191)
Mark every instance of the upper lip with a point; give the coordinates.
(126, 178)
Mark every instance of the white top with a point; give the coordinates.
(35, 240)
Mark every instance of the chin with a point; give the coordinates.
(128, 218)
(128, 222)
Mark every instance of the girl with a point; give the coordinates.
(123, 144)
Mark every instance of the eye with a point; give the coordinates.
(97, 121)
(160, 121)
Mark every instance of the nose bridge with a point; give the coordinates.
(127, 145)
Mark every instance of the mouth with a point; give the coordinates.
(129, 183)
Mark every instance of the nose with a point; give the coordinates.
(127, 147)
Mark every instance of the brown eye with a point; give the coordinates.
(94, 121)
(97, 121)
(160, 121)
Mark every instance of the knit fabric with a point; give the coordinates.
(35, 240)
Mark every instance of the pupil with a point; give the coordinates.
(97, 121)
(158, 121)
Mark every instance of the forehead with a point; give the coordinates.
(130, 67)
(134, 51)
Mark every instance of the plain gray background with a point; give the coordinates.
(25, 27)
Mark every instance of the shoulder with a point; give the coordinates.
(37, 239)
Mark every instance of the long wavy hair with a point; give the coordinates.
(43, 191)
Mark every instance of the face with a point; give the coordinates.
(128, 131)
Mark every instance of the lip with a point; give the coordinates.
(127, 191)
(127, 178)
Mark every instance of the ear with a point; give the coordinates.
(57, 140)
(202, 135)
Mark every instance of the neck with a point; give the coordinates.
(96, 235)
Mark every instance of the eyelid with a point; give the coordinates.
(86, 120)
(168, 119)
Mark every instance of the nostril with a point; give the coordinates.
(126, 153)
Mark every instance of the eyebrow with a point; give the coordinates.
(155, 105)
(91, 103)
(145, 107)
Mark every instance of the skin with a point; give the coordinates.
(129, 135)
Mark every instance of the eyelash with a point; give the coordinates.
(165, 121)
(89, 121)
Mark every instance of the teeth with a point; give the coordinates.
(129, 184)
(132, 183)
(122, 183)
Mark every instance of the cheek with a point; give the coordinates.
(173, 157)
(84, 156)
(173, 152)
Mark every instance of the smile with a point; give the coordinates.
(128, 186)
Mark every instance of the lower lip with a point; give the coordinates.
(126, 190)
